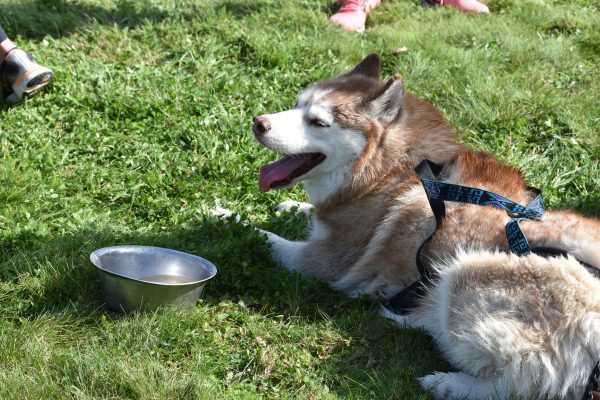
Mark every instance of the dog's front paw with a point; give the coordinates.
(224, 214)
(294, 207)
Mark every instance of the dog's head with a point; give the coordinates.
(346, 131)
(331, 126)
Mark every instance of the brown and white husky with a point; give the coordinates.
(527, 327)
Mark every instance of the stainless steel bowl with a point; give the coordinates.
(145, 277)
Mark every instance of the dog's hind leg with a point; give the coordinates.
(567, 231)
(456, 385)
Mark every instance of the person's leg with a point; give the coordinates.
(20, 75)
(6, 45)
(3, 36)
(352, 14)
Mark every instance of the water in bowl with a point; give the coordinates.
(166, 279)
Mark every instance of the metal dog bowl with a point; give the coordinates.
(145, 278)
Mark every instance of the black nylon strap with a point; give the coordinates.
(430, 170)
(407, 299)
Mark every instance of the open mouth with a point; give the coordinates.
(281, 173)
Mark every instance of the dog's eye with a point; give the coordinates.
(318, 122)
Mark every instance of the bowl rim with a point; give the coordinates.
(96, 254)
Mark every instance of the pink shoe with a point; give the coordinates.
(468, 6)
(352, 14)
(473, 6)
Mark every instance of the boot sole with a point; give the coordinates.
(33, 86)
(37, 83)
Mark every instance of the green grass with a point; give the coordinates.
(147, 127)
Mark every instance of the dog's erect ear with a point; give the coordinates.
(370, 66)
(386, 104)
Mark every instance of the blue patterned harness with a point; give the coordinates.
(517, 241)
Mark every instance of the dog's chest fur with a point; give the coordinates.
(360, 251)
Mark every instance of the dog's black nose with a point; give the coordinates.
(261, 125)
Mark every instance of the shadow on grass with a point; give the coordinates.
(380, 358)
(330, 8)
(34, 19)
(70, 268)
(241, 9)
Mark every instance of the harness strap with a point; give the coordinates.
(440, 191)
(428, 171)
(408, 298)
(517, 241)
(465, 194)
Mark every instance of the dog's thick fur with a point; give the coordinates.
(515, 326)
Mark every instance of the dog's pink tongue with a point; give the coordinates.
(280, 171)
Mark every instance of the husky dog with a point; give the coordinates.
(524, 326)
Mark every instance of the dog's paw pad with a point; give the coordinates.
(294, 206)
